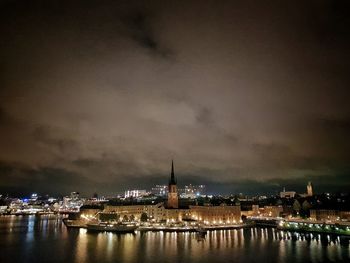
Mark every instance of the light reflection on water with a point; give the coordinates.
(46, 239)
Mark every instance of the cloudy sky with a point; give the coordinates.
(245, 96)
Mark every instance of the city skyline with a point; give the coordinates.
(178, 131)
(245, 97)
(173, 181)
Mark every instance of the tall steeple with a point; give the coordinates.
(172, 177)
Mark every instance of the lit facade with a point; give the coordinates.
(329, 215)
(135, 193)
(216, 214)
(287, 194)
(193, 191)
(160, 190)
(309, 190)
(153, 212)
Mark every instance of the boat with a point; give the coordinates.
(112, 227)
(74, 223)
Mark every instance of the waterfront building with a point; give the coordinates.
(344, 215)
(222, 214)
(323, 215)
(329, 215)
(17, 204)
(255, 210)
(20, 207)
(271, 211)
(176, 215)
(154, 212)
(266, 211)
(158, 213)
(3, 209)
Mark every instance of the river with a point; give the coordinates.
(46, 239)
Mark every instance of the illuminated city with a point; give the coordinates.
(193, 211)
(193, 131)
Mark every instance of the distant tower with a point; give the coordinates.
(173, 200)
(309, 189)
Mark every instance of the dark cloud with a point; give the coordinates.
(240, 94)
(205, 117)
(5, 119)
(17, 179)
(141, 31)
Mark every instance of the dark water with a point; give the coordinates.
(46, 239)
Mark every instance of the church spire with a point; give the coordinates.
(172, 178)
(173, 199)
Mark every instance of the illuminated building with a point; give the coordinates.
(74, 195)
(72, 203)
(135, 193)
(309, 190)
(216, 214)
(271, 210)
(324, 214)
(344, 215)
(172, 212)
(287, 194)
(266, 211)
(160, 190)
(193, 191)
(34, 197)
(329, 215)
(3, 209)
(153, 212)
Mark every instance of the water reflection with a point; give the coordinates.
(43, 239)
(81, 246)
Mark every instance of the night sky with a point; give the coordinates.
(245, 96)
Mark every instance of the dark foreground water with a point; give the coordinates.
(46, 239)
